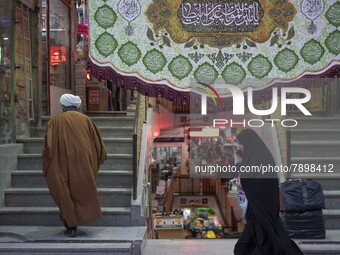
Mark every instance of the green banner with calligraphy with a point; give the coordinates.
(176, 43)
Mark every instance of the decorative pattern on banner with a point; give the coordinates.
(130, 10)
(312, 10)
(178, 43)
(219, 23)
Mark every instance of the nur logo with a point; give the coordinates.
(239, 102)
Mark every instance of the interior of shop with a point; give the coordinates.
(185, 206)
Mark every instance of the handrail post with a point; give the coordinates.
(135, 151)
(134, 166)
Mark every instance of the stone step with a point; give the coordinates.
(324, 161)
(327, 171)
(315, 148)
(44, 240)
(40, 197)
(103, 121)
(49, 216)
(114, 121)
(332, 199)
(105, 179)
(332, 218)
(106, 132)
(106, 113)
(131, 113)
(118, 161)
(131, 109)
(66, 248)
(317, 247)
(113, 162)
(112, 145)
(121, 132)
(315, 134)
(318, 122)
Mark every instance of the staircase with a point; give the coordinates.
(316, 140)
(29, 222)
(28, 202)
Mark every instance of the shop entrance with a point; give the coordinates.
(194, 214)
(185, 206)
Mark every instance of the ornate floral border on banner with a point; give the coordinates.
(183, 97)
(164, 47)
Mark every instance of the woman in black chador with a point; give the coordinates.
(264, 233)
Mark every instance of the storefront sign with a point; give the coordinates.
(204, 132)
(82, 29)
(57, 54)
(170, 222)
(170, 135)
(194, 201)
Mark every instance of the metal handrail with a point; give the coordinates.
(140, 116)
(135, 150)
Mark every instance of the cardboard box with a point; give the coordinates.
(97, 97)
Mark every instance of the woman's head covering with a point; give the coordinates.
(255, 152)
(70, 100)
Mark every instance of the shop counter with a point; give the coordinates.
(168, 226)
(168, 222)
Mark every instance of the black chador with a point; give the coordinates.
(264, 233)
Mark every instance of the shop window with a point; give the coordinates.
(59, 44)
(5, 70)
(23, 65)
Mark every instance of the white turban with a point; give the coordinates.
(70, 100)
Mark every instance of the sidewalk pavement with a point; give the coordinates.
(47, 235)
(330, 246)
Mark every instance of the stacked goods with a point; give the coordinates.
(302, 202)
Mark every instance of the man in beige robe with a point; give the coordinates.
(73, 152)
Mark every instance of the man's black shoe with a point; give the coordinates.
(71, 232)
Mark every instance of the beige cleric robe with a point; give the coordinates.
(72, 155)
